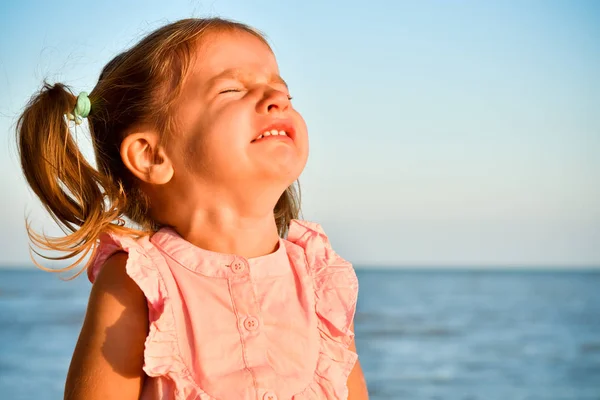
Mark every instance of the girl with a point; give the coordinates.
(220, 292)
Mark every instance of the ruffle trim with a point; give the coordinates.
(162, 357)
(336, 292)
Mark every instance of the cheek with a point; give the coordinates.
(212, 151)
(302, 134)
(190, 150)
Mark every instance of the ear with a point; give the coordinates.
(143, 155)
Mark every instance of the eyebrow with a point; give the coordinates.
(241, 76)
(275, 78)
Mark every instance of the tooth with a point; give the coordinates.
(274, 132)
(267, 133)
(282, 133)
(259, 137)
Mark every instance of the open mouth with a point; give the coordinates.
(271, 133)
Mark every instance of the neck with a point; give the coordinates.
(239, 222)
(229, 233)
(246, 227)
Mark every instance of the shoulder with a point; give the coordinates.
(113, 289)
(110, 244)
(311, 237)
(113, 274)
(322, 260)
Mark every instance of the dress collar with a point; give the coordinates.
(221, 265)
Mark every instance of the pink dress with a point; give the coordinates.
(223, 327)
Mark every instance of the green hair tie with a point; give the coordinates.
(82, 108)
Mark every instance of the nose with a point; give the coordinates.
(273, 101)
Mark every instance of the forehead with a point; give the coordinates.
(237, 50)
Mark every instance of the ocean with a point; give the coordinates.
(420, 334)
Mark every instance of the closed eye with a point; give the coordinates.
(230, 91)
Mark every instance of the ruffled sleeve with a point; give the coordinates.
(336, 291)
(139, 267)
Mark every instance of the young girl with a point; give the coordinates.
(197, 144)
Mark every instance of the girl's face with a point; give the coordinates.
(232, 95)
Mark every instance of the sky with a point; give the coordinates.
(442, 133)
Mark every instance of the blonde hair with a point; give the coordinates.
(137, 86)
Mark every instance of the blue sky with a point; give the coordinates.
(461, 133)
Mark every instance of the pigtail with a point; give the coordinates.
(81, 200)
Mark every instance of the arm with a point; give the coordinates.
(108, 358)
(357, 386)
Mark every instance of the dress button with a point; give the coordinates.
(270, 396)
(251, 323)
(238, 266)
